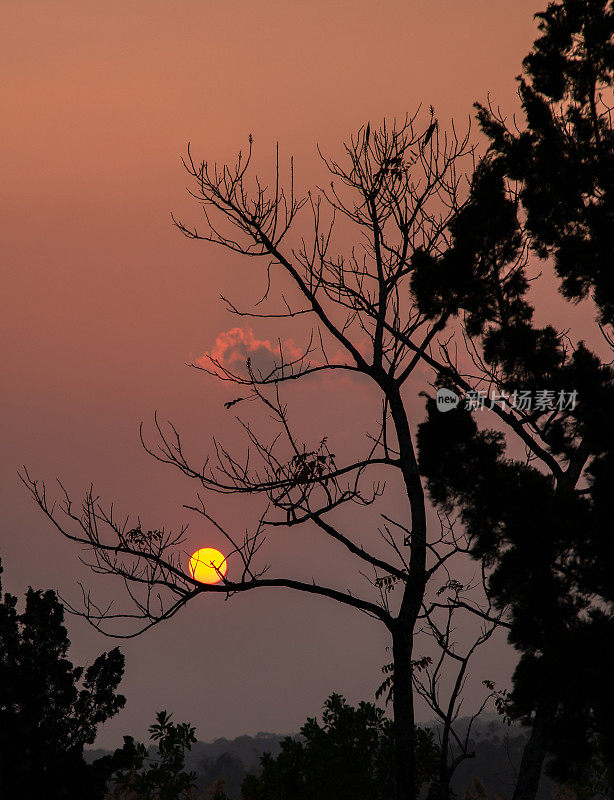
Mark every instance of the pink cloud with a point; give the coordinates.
(233, 347)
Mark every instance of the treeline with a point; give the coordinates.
(50, 711)
(498, 751)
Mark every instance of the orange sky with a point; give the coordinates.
(104, 302)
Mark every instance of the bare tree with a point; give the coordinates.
(400, 188)
(440, 680)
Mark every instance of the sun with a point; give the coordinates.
(208, 565)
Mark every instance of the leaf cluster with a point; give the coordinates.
(163, 777)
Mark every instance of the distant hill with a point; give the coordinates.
(498, 750)
(231, 759)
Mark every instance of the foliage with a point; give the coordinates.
(387, 685)
(164, 778)
(501, 701)
(535, 535)
(50, 709)
(541, 523)
(349, 756)
(564, 157)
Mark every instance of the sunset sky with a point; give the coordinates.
(104, 301)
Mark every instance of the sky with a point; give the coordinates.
(104, 303)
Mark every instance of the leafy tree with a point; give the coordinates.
(541, 523)
(532, 533)
(347, 757)
(564, 158)
(165, 777)
(50, 709)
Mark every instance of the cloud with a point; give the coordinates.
(233, 347)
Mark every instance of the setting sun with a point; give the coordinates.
(207, 565)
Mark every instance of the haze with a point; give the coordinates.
(104, 302)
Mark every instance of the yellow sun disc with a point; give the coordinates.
(208, 565)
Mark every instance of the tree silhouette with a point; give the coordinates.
(349, 756)
(49, 709)
(563, 159)
(542, 523)
(400, 190)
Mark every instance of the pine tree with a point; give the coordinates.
(541, 523)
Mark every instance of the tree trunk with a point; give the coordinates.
(446, 771)
(403, 631)
(443, 783)
(534, 753)
(403, 706)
